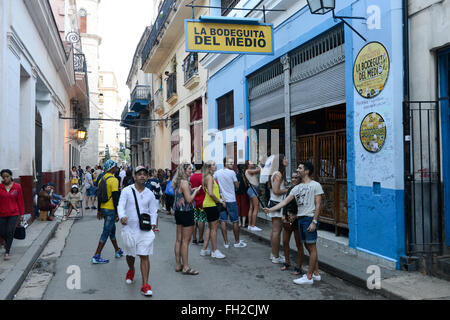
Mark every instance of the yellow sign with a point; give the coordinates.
(373, 132)
(371, 70)
(228, 37)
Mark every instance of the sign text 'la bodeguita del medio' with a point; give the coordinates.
(228, 37)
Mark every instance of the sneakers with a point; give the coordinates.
(255, 228)
(93, 208)
(130, 276)
(280, 256)
(304, 280)
(98, 260)
(316, 278)
(205, 252)
(226, 245)
(119, 254)
(278, 260)
(241, 244)
(217, 254)
(146, 290)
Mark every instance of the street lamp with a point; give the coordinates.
(81, 134)
(321, 6)
(324, 6)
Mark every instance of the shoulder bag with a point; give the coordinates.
(144, 218)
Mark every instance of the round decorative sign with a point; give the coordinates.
(373, 132)
(371, 70)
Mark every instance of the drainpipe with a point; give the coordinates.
(406, 49)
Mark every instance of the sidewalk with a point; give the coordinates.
(336, 258)
(24, 254)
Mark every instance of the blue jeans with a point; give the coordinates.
(109, 227)
(232, 211)
(305, 235)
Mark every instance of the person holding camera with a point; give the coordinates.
(138, 211)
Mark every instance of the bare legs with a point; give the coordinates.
(145, 267)
(212, 231)
(182, 242)
(275, 236)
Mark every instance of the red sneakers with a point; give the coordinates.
(146, 290)
(130, 276)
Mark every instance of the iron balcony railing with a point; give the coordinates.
(141, 92)
(163, 14)
(190, 66)
(171, 85)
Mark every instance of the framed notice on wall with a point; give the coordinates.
(371, 70)
(373, 132)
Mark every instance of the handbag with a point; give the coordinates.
(272, 203)
(144, 218)
(20, 233)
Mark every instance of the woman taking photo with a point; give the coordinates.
(251, 174)
(210, 205)
(184, 216)
(11, 208)
(278, 191)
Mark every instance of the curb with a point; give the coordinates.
(16, 277)
(329, 268)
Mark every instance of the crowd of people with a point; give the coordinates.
(200, 197)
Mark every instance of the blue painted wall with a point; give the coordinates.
(376, 219)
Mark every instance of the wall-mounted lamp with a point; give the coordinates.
(324, 6)
(81, 134)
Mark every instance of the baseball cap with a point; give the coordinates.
(139, 168)
(75, 186)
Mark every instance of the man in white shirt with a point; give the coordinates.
(308, 196)
(122, 175)
(228, 184)
(138, 242)
(90, 189)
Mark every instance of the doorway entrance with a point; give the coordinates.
(321, 140)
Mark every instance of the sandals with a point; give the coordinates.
(179, 270)
(297, 271)
(191, 272)
(285, 266)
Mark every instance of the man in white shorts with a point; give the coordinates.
(137, 241)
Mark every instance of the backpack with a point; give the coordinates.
(102, 193)
(154, 186)
(169, 188)
(97, 179)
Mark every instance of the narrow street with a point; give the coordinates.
(245, 274)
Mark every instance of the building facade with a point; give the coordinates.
(179, 87)
(41, 84)
(427, 147)
(330, 97)
(110, 134)
(90, 39)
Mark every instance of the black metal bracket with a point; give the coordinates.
(344, 17)
(213, 7)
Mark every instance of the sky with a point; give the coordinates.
(121, 24)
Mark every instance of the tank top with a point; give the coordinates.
(180, 203)
(252, 178)
(273, 196)
(209, 202)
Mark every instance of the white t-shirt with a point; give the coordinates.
(304, 194)
(122, 174)
(88, 180)
(127, 207)
(226, 178)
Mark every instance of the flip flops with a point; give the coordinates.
(179, 270)
(285, 266)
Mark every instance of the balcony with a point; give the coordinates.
(172, 88)
(127, 116)
(190, 70)
(140, 98)
(228, 5)
(165, 32)
(144, 133)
